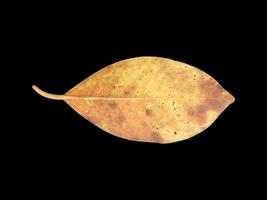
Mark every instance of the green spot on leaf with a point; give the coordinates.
(88, 101)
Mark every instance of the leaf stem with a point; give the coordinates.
(52, 96)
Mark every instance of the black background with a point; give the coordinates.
(66, 47)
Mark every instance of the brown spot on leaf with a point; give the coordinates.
(129, 89)
(121, 118)
(214, 104)
(126, 93)
(155, 136)
(214, 100)
(148, 112)
(199, 112)
(112, 104)
(211, 87)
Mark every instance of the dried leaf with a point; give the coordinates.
(148, 99)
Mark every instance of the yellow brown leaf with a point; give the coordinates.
(148, 99)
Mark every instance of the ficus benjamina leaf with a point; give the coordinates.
(148, 99)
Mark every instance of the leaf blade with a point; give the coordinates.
(201, 99)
